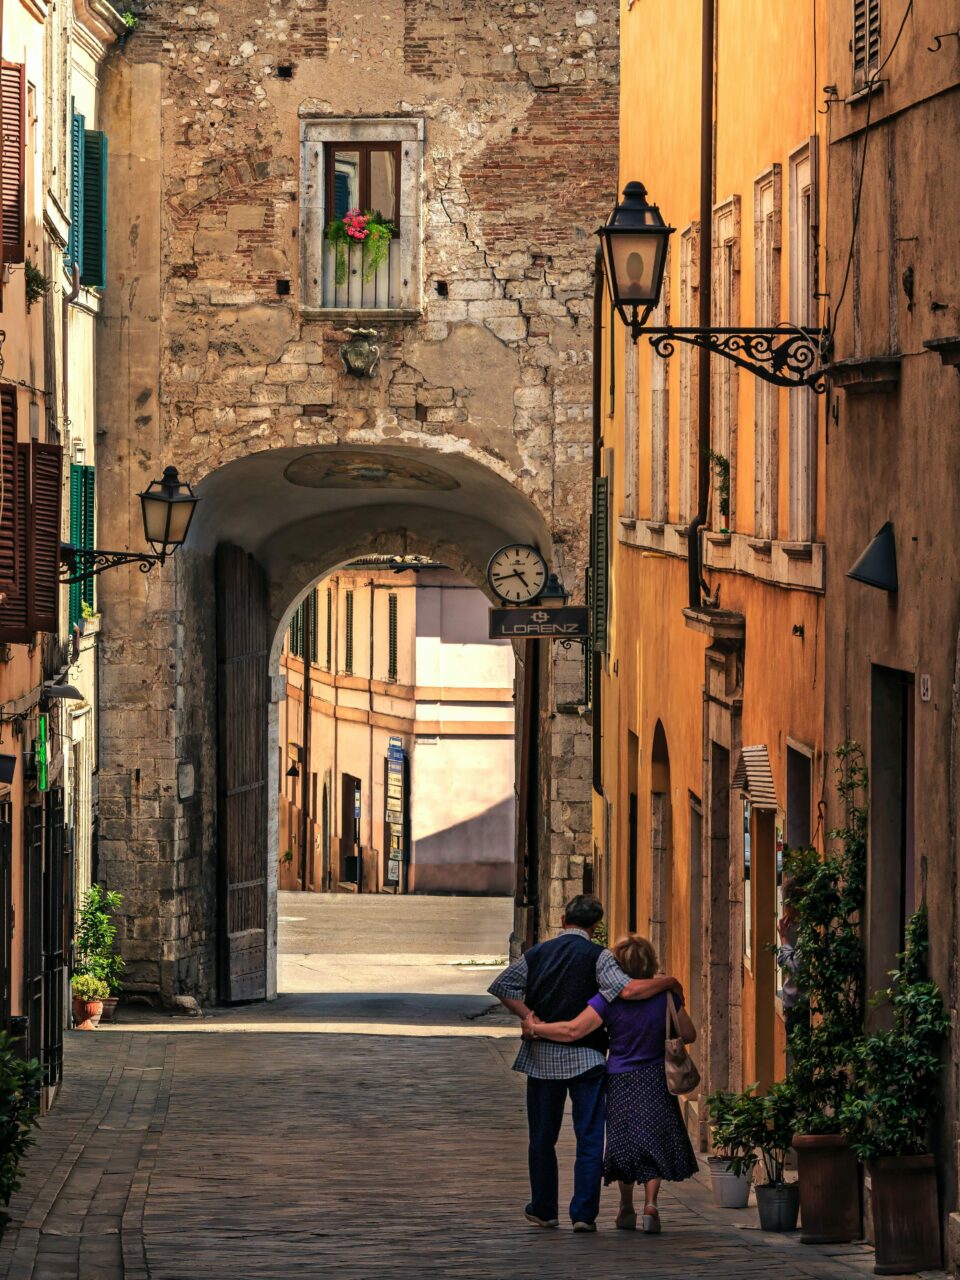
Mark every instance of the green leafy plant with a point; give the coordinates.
(38, 286)
(287, 855)
(775, 1129)
(130, 19)
(721, 469)
(20, 1083)
(600, 935)
(829, 893)
(735, 1121)
(888, 1109)
(94, 946)
(369, 229)
(86, 987)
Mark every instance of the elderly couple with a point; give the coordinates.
(576, 1000)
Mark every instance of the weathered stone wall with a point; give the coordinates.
(205, 362)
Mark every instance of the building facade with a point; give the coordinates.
(54, 231)
(402, 779)
(486, 135)
(891, 679)
(711, 750)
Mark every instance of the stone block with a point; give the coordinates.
(246, 217)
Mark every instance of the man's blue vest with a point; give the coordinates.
(561, 978)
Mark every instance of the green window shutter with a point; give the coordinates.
(292, 638)
(314, 609)
(392, 675)
(75, 240)
(88, 596)
(599, 562)
(93, 254)
(348, 646)
(76, 537)
(588, 648)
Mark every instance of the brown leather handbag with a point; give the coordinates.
(681, 1070)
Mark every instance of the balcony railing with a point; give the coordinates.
(382, 290)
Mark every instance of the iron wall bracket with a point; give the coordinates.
(77, 564)
(784, 355)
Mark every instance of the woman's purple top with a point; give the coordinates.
(637, 1030)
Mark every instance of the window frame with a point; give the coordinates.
(803, 412)
(406, 300)
(767, 245)
(725, 390)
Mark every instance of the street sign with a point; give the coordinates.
(567, 622)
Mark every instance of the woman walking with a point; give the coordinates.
(646, 1138)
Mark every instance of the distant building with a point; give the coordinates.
(403, 774)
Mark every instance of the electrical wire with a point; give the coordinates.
(870, 86)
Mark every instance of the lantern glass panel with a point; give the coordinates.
(156, 510)
(637, 262)
(180, 515)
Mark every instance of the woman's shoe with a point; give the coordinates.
(626, 1220)
(651, 1219)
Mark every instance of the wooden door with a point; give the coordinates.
(242, 701)
(54, 938)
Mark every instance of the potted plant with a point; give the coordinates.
(734, 1121)
(20, 1083)
(778, 1201)
(889, 1109)
(89, 994)
(371, 230)
(829, 893)
(94, 946)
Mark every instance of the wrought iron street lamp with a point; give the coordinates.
(167, 506)
(634, 243)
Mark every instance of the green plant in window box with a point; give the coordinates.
(38, 286)
(371, 230)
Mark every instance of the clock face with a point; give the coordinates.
(517, 573)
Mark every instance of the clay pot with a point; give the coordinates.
(86, 1013)
(778, 1205)
(110, 1009)
(906, 1215)
(829, 1178)
(730, 1190)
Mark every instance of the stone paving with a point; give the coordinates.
(357, 1132)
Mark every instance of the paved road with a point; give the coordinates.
(305, 1140)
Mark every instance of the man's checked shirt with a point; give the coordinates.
(544, 1059)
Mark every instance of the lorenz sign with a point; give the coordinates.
(566, 622)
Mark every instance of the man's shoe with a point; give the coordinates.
(584, 1226)
(537, 1221)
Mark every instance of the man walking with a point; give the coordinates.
(555, 980)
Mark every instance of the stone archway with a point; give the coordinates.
(269, 526)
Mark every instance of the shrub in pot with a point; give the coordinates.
(829, 895)
(95, 943)
(888, 1111)
(20, 1083)
(734, 1122)
(778, 1201)
(89, 994)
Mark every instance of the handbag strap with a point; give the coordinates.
(672, 1021)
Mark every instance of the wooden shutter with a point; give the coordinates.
(866, 39)
(329, 627)
(392, 672)
(13, 112)
(77, 151)
(89, 532)
(599, 562)
(10, 581)
(44, 551)
(15, 611)
(93, 256)
(314, 609)
(76, 539)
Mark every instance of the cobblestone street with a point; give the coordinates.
(379, 1135)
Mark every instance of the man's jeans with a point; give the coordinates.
(545, 1103)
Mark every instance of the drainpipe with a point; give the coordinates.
(594, 657)
(336, 785)
(373, 596)
(694, 566)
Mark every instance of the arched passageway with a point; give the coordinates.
(268, 527)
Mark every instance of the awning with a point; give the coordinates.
(753, 776)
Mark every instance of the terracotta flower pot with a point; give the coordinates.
(86, 1013)
(906, 1215)
(829, 1178)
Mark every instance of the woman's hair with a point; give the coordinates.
(636, 956)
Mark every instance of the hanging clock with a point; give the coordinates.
(517, 573)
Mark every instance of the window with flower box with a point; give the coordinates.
(353, 168)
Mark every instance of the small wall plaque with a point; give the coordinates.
(185, 780)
